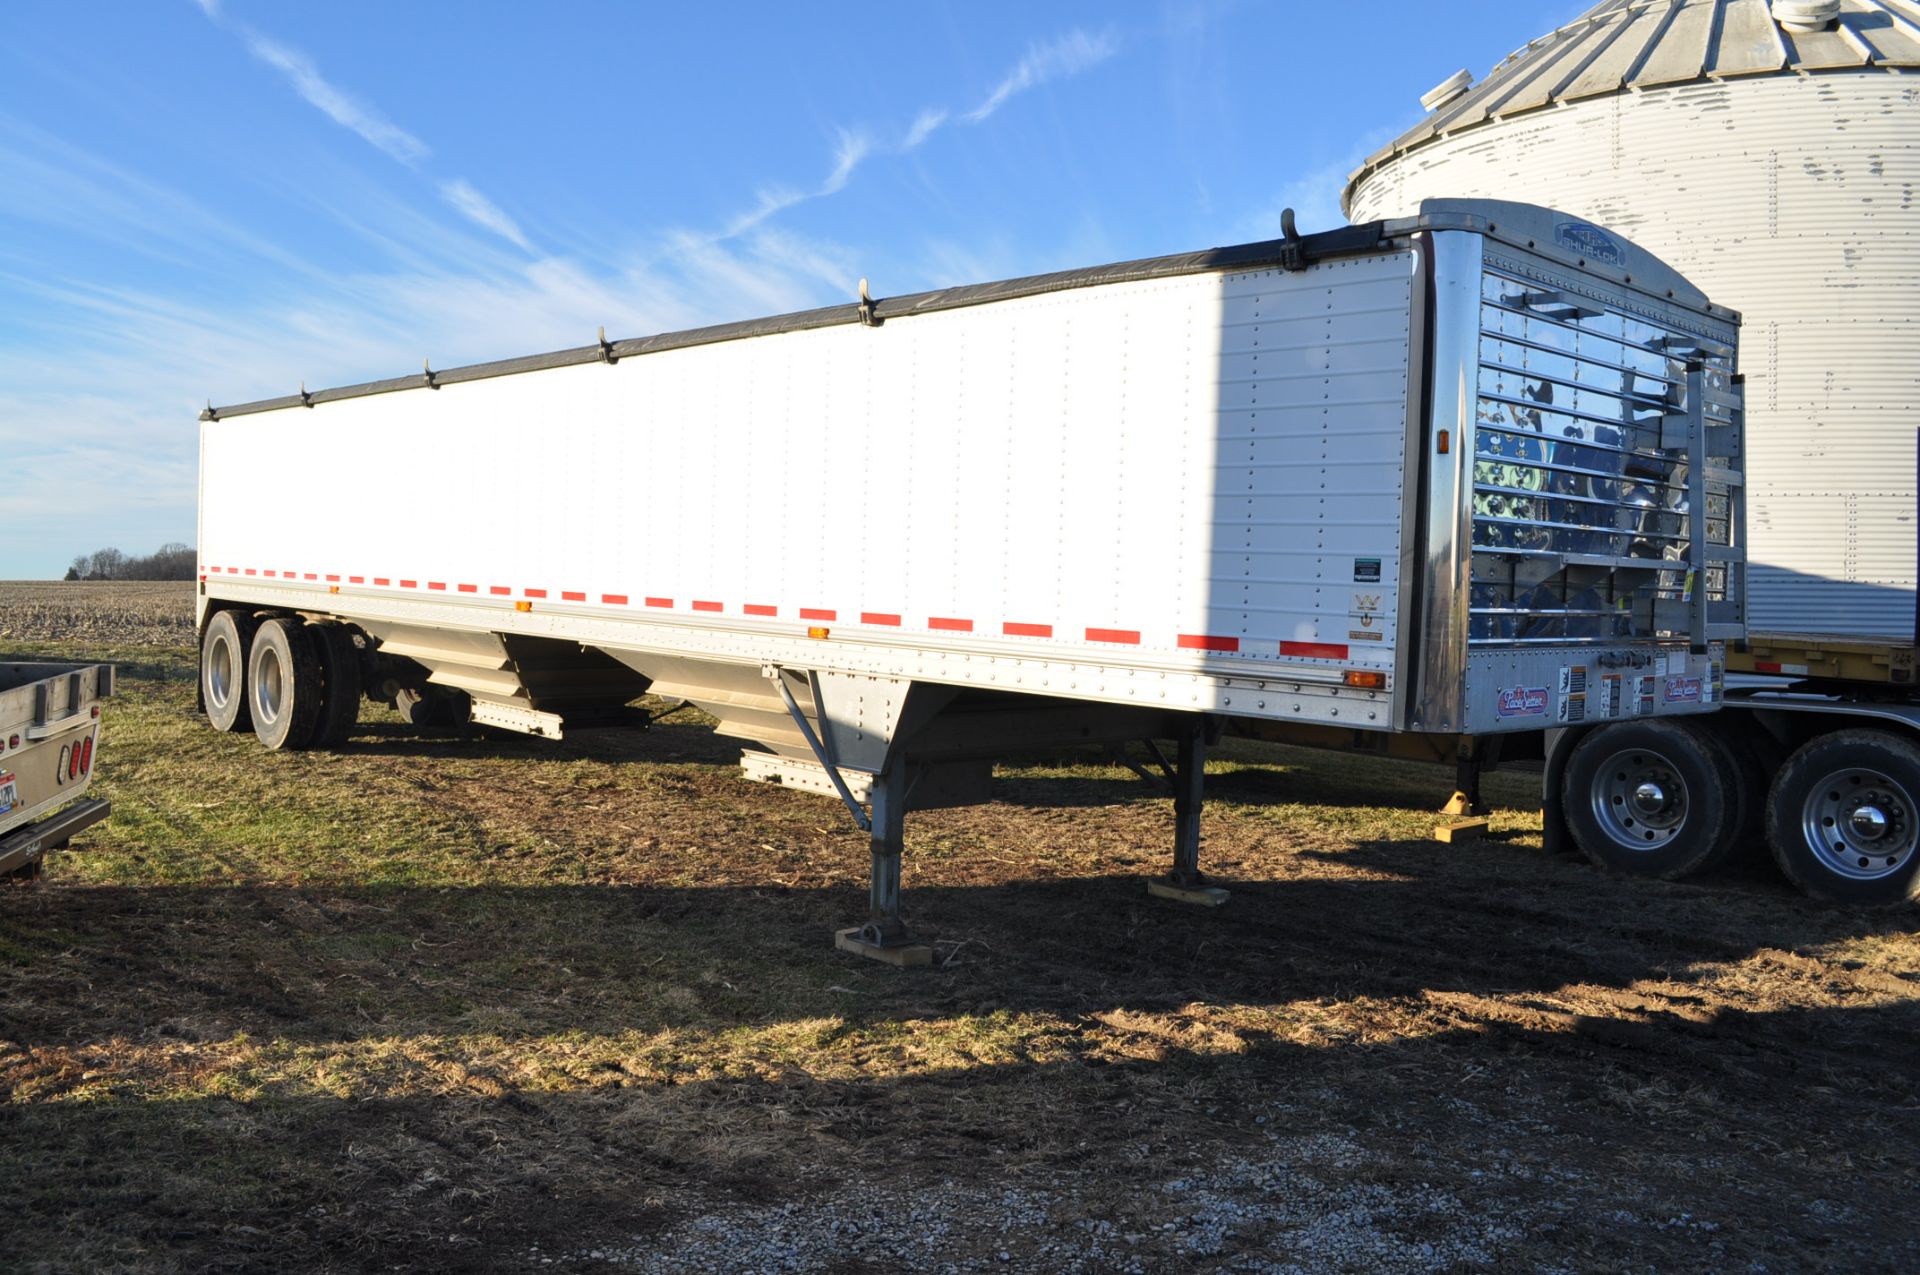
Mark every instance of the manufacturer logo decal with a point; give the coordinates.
(1523, 701)
(1590, 242)
(1366, 570)
(1681, 690)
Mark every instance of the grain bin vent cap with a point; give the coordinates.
(1448, 89)
(1622, 45)
(1806, 15)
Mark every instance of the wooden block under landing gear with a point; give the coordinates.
(849, 940)
(1206, 896)
(1460, 830)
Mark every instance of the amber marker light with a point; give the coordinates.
(1365, 680)
(1445, 441)
(523, 606)
(816, 631)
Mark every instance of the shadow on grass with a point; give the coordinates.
(1600, 1130)
(333, 963)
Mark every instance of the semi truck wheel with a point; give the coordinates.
(340, 683)
(284, 690)
(1843, 818)
(1650, 799)
(223, 669)
(1753, 759)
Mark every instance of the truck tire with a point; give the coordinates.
(224, 648)
(1733, 734)
(1843, 818)
(1650, 799)
(284, 691)
(340, 683)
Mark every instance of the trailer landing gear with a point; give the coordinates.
(1185, 884)
(884, 937)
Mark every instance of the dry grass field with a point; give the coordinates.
(463, 1001)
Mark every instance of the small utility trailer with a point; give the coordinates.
(1443, 476)
(49, 728)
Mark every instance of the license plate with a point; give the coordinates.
(9, 792)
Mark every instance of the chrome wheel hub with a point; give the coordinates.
(1639, 799)
(1860, 824)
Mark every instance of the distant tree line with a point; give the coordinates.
(173, 561)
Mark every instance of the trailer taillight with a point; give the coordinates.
(73, 761)
(86, 756)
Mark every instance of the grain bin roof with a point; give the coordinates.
(1621, 45)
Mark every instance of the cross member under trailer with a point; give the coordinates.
(1454, 474)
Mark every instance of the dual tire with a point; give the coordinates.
(297, 685)
(1843, 818)
(1653, 799)
(1668, 799)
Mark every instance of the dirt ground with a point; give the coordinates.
(464, 1001)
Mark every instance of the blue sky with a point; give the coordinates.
(221, 200)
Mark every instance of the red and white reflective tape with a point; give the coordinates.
(1204, 642)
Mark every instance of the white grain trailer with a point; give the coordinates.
(49, 728)
(1441, 474)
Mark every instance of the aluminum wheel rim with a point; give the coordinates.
(1860, 824)
(220, 673)
(1639, 799)
(267, 688)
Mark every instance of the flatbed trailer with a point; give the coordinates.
(1452, 474)
(49, 732)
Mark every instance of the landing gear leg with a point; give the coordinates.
(1476, 755)
(884, 936)
(1185, 884)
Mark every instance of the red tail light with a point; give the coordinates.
(73, 763)
(86, 756)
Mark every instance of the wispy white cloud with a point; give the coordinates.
(851, 150)
(336, 103)
(481, 211)
(45, 179)
(1066, 55)
(348, 111)
(923, 127)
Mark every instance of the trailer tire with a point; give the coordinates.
(284, 691)
(224, 649)
(340, 681)
(1843, 818)
(1650, 799)
(1751, 773)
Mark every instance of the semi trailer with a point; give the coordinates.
(1771, 154)
(1448, 476)
(49, 729)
